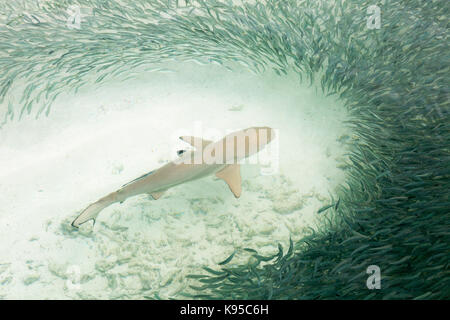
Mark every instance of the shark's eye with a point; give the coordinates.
(180, 152)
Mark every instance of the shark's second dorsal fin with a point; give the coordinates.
(195, 142)
(231, 174)
(157, 195)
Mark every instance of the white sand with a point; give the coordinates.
(103, 137)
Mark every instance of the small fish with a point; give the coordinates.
(227, 259)
(325, 208)
(217, 273)
(336, 206)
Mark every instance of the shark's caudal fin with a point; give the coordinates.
(92, 211)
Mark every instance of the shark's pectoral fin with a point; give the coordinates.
(195, 142)
(157, 195)
(231, 174)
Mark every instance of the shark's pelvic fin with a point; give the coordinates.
(231, 174)
(195, 142)
(157, 195)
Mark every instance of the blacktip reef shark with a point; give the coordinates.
(220, 158)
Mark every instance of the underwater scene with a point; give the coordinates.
(224, 149)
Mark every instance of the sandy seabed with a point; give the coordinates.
(102, 137)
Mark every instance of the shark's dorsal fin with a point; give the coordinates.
(157, 195)
(231, 174)
(141, 177)
(195, 142)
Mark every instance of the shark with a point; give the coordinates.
(221, 158)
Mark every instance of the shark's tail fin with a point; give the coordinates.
(92, 211)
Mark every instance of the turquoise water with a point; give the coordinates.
(94, 95)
